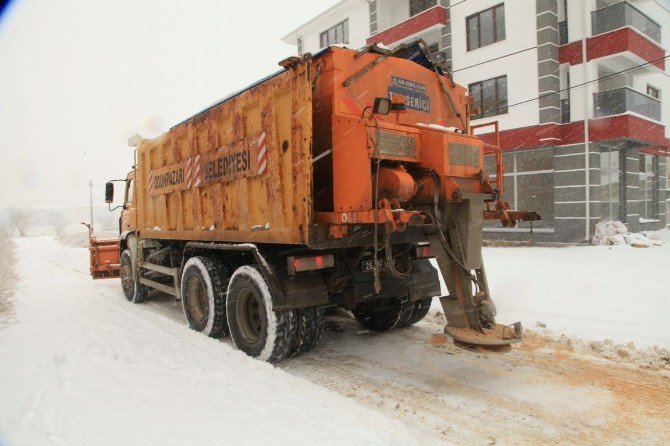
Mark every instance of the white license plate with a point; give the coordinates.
(368, 265)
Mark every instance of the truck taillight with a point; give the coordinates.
(311, 263)
(423, 251)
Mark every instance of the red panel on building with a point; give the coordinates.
(602, 129)
(610, 43)
(426, 19)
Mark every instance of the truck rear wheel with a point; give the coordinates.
(384, 315)
(310, 325)
(256, 329)
(204, 282)
(420, 310)
(134, 291)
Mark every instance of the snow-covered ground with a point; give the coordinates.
(591, 292)
(82, 366)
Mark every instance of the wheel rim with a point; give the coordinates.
(249, 315)
(127, 282)
(198, 304)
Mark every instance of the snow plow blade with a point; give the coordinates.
(469, 308)
(104, 256)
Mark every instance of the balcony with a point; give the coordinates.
(434, 17)
(630, 47)
(625, 100)
(621, 15)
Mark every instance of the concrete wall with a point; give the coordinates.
(521, 69)
(356, 11)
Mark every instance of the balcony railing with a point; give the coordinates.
(623, 100)
(624, 14)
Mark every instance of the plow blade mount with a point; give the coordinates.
(103, 256)
(469, 308)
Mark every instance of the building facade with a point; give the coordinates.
(578, 88)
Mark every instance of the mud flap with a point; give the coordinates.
(469, 309)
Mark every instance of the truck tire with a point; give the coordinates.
(204, 283)
(420, 310)
(134, 291)
(309, 329)
(255, 328)
(384, 315)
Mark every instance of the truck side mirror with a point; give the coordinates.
(109, 192)
(382, 106)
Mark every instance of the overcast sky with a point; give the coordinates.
(79, 77)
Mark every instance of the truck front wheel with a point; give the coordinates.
(255, 328)
(134, 291)
(203, 294)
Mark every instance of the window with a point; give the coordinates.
(299, 45)
(490, 96)
(653, 92)
(337, 34)
(418, 6)
(486, 27)
(610, 175)
(649, 186)
(129, 192)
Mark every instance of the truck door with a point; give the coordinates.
(129, 213)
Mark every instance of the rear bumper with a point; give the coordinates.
(423, 282)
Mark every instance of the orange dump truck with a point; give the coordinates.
(330, 183)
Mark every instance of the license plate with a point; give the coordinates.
(369, 265)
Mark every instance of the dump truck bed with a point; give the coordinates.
(239, 171)
(276, 163)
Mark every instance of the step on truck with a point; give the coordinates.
(333, 182)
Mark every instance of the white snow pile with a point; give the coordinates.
(437, 127)
(616, 233)
(653, 357)
(82, 366)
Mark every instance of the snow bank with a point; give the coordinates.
(72, 228)
(37, 231)
(654, 358)
(593, 293)
(84, 366)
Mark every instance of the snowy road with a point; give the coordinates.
(82, 366)
(92, 368)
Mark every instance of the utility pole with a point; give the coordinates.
(90, 194)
